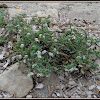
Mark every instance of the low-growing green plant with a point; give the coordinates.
(2, 40)
(3, 21)
(44, 52)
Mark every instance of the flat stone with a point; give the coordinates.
(15, 82)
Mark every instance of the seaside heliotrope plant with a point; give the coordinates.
(42, 51)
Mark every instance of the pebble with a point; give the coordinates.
(54, 22)
(71, 83)
(1, 96)
(39, 86)
(54, 95)
(29, 96)
(58, 94)
(91, 87)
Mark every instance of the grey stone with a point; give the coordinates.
(15, 82)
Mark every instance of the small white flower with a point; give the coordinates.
(80, 66)
(39, 56)
(36, 39)
(55, 49)
(40, 35)
(13, 58)
(17, 25)
(78, 57)
(57, 52)
(45, 24)
(22, 45)
(19, 56)
(30, 74)
(73, 37)
(51, 54)
(88, 40)
(66, 70)
(55, 40)
(38, 74)
(68, 39)
(34, 65)
(43, 36)
(25, 28)
(38, 52)
(88, 44)
(24, 61)
(28, 33)
(2, 29)
(72, 69)
(19, 31)
(25, 56)
(84, 57)
(52, 37)
(44, 51)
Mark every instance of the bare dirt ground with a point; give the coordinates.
(56, 85)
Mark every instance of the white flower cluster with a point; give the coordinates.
(34, 65)
(51, 54)
(25, 56)
(24, 61)
(84, 57)
(55, 49)
(88, 42)
(19, 56)
(30, 74)
(19, 31)
(39, 54)
(39, 74)
(44, 51)
(13, 58)
(40, 35)
(36, 39)
(73, 37)
(28, 34)
(22, 46)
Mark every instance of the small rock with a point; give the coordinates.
(77, 96)
(39, 86)
(29, 96)
(89, 92)
(94, 96)
(71, 83)
(54, 22)
(58, 94)
(1, 96)
(54, 95)
(91, 87)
